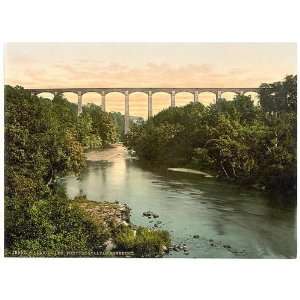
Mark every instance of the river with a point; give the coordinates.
(214, 219)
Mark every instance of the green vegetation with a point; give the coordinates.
(253, 145)
(45, 140)
(144, 242)
(125, 239)
(119, 121)
(50, 227)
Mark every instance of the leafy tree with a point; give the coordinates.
(102, 124)
(279, 96)
(52, 226)
(119, 122)
(45, 140)
(235, 139)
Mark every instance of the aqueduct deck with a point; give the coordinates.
(148, 91)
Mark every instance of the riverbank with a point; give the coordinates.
(202, 171)
(106, 214)
(207, 217)
(122, 237)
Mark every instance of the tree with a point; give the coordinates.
(44, 140)
(102, 124)
(119, 122)
(279, 96)
(234, 139)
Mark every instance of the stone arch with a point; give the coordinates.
(207, 98)
(47, 95)
(140, 92)
(160, 101)
(161, 92)
(183, 98)
(91, 98)
(138, 106)
(228, 95)
(115, 101)
(71, 97)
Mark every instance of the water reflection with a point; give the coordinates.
(188, 205)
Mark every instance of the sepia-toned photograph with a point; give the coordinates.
(150, 150)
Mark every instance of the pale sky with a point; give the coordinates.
(52, 65)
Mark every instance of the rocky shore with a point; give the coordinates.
(105, 213)
(114, 219)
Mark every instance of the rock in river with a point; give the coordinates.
(150, 214)
(147, 213)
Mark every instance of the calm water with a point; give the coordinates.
(246, 220)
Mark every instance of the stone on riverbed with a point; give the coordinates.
(165, 249)
(175, 248)
(149, 214)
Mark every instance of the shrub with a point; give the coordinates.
(125, 240)
(144, 242)
(52, 226)
(150, 243)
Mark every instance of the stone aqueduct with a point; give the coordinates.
(148, 91)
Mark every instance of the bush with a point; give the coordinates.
(144, 242)
(125, 240)
(53, 226)
(150, 243)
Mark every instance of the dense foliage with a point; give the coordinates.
(235, 139)
(46, 139)
(50, 226)
(119, 122)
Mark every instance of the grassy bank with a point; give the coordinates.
(122, 236)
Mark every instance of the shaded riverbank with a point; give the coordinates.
(121, 237)
(212, 218)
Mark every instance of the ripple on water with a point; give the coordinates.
(243, 219)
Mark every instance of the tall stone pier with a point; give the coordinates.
(148, 91)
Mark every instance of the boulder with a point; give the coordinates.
(165, 248)
(109, 245)
(147, 213)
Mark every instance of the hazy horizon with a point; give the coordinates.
(54, 65)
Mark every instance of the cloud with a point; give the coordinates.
(27, 71)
